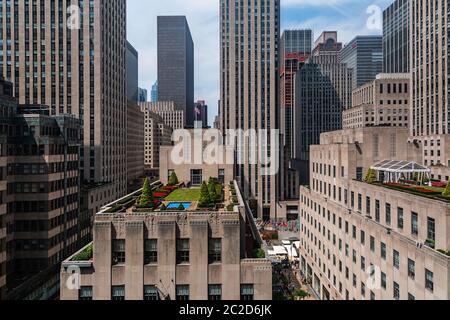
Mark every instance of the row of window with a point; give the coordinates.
(151, 251)
(152, 293)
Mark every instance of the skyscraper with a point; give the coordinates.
(430, 79)
(323, 90)
(396, 35)
(249, 82)
(176, 64)
(142, 95)
(201, 113)
(62, 75)
(132, 70)
(364, 54)
(295, 49)
(154, 92)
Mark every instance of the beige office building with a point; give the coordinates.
(135, 145)
(430, 80)
(172, 117)
(196, 166)
(382, 102)
(156, 135)
(191, 255)
(372, 241)
(249, 89)
(78, 70)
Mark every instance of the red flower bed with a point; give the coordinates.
(439, 184)
(160, 194)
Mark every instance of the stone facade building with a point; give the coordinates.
(368, 241)
(382, 102)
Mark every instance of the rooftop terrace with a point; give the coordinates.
(156, 197)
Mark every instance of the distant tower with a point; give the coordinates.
(176, 64)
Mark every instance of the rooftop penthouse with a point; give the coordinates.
(172, 242)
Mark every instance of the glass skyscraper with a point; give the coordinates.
(364, 55)
(396, 51)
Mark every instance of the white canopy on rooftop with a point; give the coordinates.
(395, 171)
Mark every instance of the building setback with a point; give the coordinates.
(176, 64)
(90, 86)
(396, 37)
(323, 90)
(249, 90)
(382, 102)
(364, 55)
(367, 241)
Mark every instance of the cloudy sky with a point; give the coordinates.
(348, 17)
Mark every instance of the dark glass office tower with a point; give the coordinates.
(364, 55)
(323, 89)
(396, 51)
(176, 64)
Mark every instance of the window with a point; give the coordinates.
(400, 218)
(215, 251)
(151, 251)
(431, 229)
(396, 260)
(247, 292)
(183, 251)
(388, 214)
(383, 280)
(372, 244)
(363, 238)
(411, 269)
(396, 291)
(377, 210)
(196, 177)
(151, 293)
(429, 280)
(221, 176)
(118, 256)
(359, 173)
(383, 251)
(85, 294)
(118, 293)
(415, 224)
(183, 293)
(215, 292)
(411, 297)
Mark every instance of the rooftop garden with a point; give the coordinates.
(85, 255)
(414, 183)
(184, 195)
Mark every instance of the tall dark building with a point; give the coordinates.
(176, 64)
(201, 113)
(249, 87)
(396, 33)
(295, 49)
(364, 55)
(323, 90)
(132, 58)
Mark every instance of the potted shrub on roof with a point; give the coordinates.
(446, 193)
(370, 177)
(205, 199)
(146, 200)
(173, 179)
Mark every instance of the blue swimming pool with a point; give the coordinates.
(176, 205)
